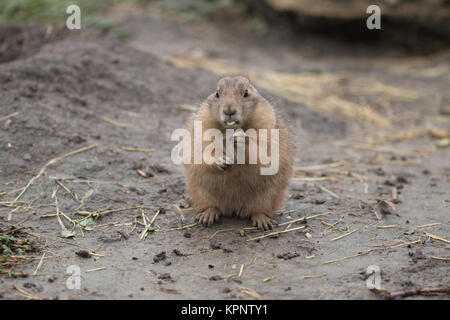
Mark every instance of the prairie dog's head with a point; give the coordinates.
(233, 102)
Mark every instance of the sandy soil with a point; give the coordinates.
(92, 89)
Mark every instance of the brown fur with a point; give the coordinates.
(217, 190)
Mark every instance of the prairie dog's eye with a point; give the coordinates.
(217, 95)
(245, 93)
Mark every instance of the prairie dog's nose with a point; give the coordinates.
(228, 111)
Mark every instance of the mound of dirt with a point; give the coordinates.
(21, 40)
(65, 90)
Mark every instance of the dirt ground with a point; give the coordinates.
(375, 185)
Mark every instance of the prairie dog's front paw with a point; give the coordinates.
(239, 138)
(223, 164)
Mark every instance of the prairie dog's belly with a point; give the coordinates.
(235, 190)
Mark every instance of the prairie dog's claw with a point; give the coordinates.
(263, 222)
(208, 217)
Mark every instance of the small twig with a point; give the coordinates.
(9, 116)
(409, 293)
(315, 179)
(241, 270)
(143, 217)
(57, 210)
(11, 212)
(269, 279)
(320, 167)
(218, 231)
(137, 149)
(114, 122)
(344, 235)
(314, 276)
(252, 293)
(73, 195)
(67, 218)
(379, 217)
(429, 225)
(122, 209)
(145, 231)
(351, 174)
(154, 218)
(331, 226)
(440, 258)
(39, 265)
(96, 254)
(26, 294)
(329, 192)
(436, 237)
(183, 227)
(15, 229)
(179, 210)
(387, 227)
(97, 269)
(276, 233)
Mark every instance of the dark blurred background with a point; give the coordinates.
(422, 25)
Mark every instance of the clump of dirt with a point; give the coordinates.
(160, 257)
(83, 254)
(288, 255)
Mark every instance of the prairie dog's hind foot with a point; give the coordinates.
(208, 216)
(263, 222)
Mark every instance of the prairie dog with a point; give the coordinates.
(230, 188)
